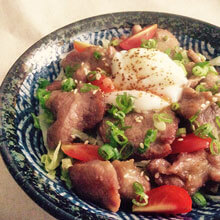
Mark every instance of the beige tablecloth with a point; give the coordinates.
(23, 22)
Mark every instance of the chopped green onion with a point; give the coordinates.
(126, 151)
(43, 95)
(175, 106)
(114, 42)
(149, 44)
(201, 69)
(213, 70)
(165, 38)
(106, 152)
(116, 113)
(201, 88)
(168, 51)
(117, 155)
(194, 117)
(180, 132)
(199, 199)
(69, 70)
(204, 131)
(150, 137)
(215, 147)
(215, 89)
(125, 103)
(68, 85)
(178, 56)
(163, 117)
(91, 76)
(217, 120)
(139, 191)
(117, 134)
(88, 87)
(97, 55)
(36, 121)
(218, 103)
(43, 83)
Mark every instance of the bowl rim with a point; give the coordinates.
(37, 197)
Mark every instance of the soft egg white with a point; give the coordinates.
(143, 101)
(148, 70)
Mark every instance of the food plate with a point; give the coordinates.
(22, 145)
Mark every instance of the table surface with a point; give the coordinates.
(23, 22)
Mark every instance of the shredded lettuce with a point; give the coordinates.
(52, 160)
(66, 163)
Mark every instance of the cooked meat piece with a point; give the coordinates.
(80, 111)
(88, 61)
(189, 67)
(127, 174)
(194, 56)
(55, 85)
(97, 181)
(210, 81)
(192, 101)
(136, 134)
(165, 40)
(209, 116)
(214, 172)
(193, 81)
(189, 170)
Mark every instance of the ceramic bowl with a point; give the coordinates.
(21, 143)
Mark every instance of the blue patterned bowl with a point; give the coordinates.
(21, 143)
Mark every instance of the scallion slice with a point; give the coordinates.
(149, 44)
(106, 152)
(217, 120)
(199, 199)
(180, 132)
(88, 87)
(69, 70)
(126, 151)
(91, 76)
(163, 117)
(204, 131)
(150, 137)
(175, 106)
(201, 69)
(139, 191)
(125, 103)
(97, 55)
(215, 147)
(68, 85)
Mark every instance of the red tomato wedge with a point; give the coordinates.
(104, 83)
(189, 143)
(135, 40)
(80, 46)
(83, 152)
(166, 199)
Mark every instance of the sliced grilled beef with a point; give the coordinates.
(214, 171)
(127, 174)
(104, 183)
(80, 111)
(194, 56)
(140, 123)
(165, 40)
(189, 170)
(97, 181)
(55, 85)
(89, 61)
(192, 102)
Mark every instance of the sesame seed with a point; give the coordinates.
(180, 139)
(141, 145)
(94, 92)
(157, 175)
(86, 142)
(147, 178)
(75, 91)
(76, 81)
(98, 76)
(142, 173)
(214, 99)
(73, 136)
